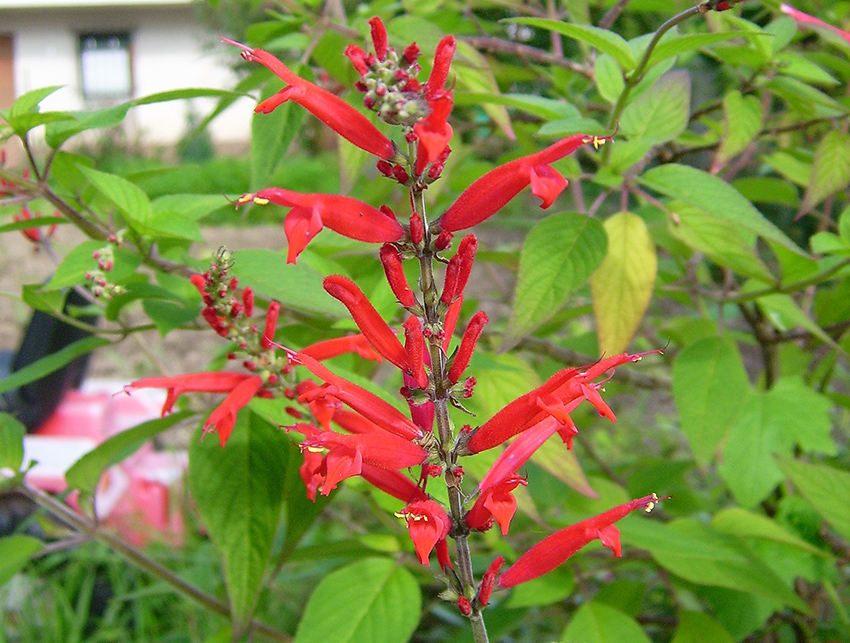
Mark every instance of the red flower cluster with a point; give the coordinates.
(349, 431)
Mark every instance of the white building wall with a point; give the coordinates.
(168, 51)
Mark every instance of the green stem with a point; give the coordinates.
(637, 75)
(86, 526)
(443, 423)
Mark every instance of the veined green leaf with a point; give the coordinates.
(601, 39)
(382, 600)
(831, 169)
(622, 286)
(742, 121)
(662, 112)
(741, 523)
(128, 197)
(239, 492)
(827, 488)
(675, 45)
(559, 255)
(540, 106)
(596, 622)
(713, 195)
(710, 387)
(722, 242)
(474, 74)
(28, 102)
(609, 78)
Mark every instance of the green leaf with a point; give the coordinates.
(721, 241)
(568, 126)
(73, 268)
(544, 590)
(662, 112)
(765, 189)
(831, 169)
(28, 103)
(25, 122)
(605, 41)
(742, 121)
(12, 435)
(175, 225)
(239, 493)
(700, 555)
(609, 78)
(712, 194)
(769, 424)
(168, 315)
(128, 197)
(784, 313)
(558, 256)
(85, 473)
(189, 92)
(57, 133)
(296, 286)
(827, 488)
(191, 206)
(15, 553)
(595, 622)
(554, 457)
(540, 106)
(675, 45)
(622, 286)
(745, 524)
(696, 627)
(52, 362)
(474, 74)
(710, 387)
(797, 65)
(381, 601)
(272, 133)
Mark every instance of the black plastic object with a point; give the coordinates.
(33, 403)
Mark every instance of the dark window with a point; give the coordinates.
(105, 66)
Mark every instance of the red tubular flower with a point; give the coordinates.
(464, 606)
(347, 453)
(427, 523)
(557, 548)
(806, 19)
(393, 483)
(467, 345)
(330, 348)
(379, 37)
(394, 270)
(248, 301)
(555, 398)
(414, 344)
(488, 581)
(434, 132)
(34, 234)
(223, 418)
(310, 212)
(358, 58)
(417, 229)
(310, 472)
(368, 320)
(459, 269)
(495, 502)
(440, 71)
(327, 107)
(365, 403)
(496, 499)
(450, 321)
(488, 194)
(272, 314)
(210, 382)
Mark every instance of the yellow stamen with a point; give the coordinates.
(260, 200)
(245, 198)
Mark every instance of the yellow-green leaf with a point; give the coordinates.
(622, 286)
